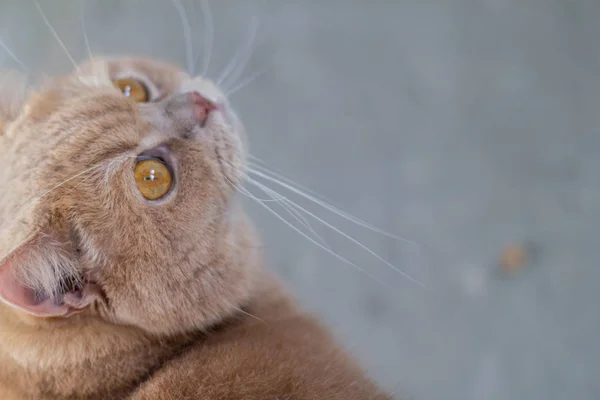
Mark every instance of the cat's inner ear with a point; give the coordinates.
(14, 89)
(41, 278)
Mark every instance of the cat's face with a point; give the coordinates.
(130, 211)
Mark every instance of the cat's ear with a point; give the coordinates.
(40, 278)
(14, 89)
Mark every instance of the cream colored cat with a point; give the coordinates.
(129, 270)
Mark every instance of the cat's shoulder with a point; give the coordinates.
(273, 352)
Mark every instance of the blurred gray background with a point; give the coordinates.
(463, 126)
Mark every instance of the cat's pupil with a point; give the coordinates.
(152, 176)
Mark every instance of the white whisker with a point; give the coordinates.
(67, 180)
(11, 251)
(229, 67)
(331, 208)
(13, 55)
(39, 196)
(83, 180)
(283, 178)
(247, 81)
(247, 313)
(271, 199)
(110, 171)
(350, 238)
(268, 200)
(248, 52)
(216, 217)
(293, 212)
(300, 218)
(242, 50)
(186, 34)
(315, 242)
(276, 197)
(249, 194)
(55, 34)
(209, 32)
(85, 35)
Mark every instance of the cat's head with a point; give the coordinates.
(119, 199)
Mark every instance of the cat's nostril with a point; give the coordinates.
(202, 106)
(190, 109)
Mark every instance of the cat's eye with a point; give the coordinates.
(153, 178)
(133, 89)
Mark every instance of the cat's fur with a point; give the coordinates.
(107, 296)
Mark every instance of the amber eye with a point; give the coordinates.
(153, 178)
(132, 89)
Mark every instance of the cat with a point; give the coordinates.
(129, 269)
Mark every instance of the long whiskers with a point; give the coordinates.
(13, 55)
(85, 35)
(275, 197)
(328, 207)
(301, 219)
(242, 55)
(272, 172)
(11, 251)
(39, 196)
(55, 34)
(48, 191)
(303, 191)
(209, 32)
(290, 210)
(312, 240)
(186, 34)
(330, 226)
(248, 81)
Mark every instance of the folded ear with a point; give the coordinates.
(41, 278)
(13, 94)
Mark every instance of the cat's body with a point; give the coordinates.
(285, 355)
(108, 295)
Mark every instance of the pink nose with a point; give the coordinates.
(202, 106)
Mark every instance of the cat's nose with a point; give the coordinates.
(201, 106)
(190, 108)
